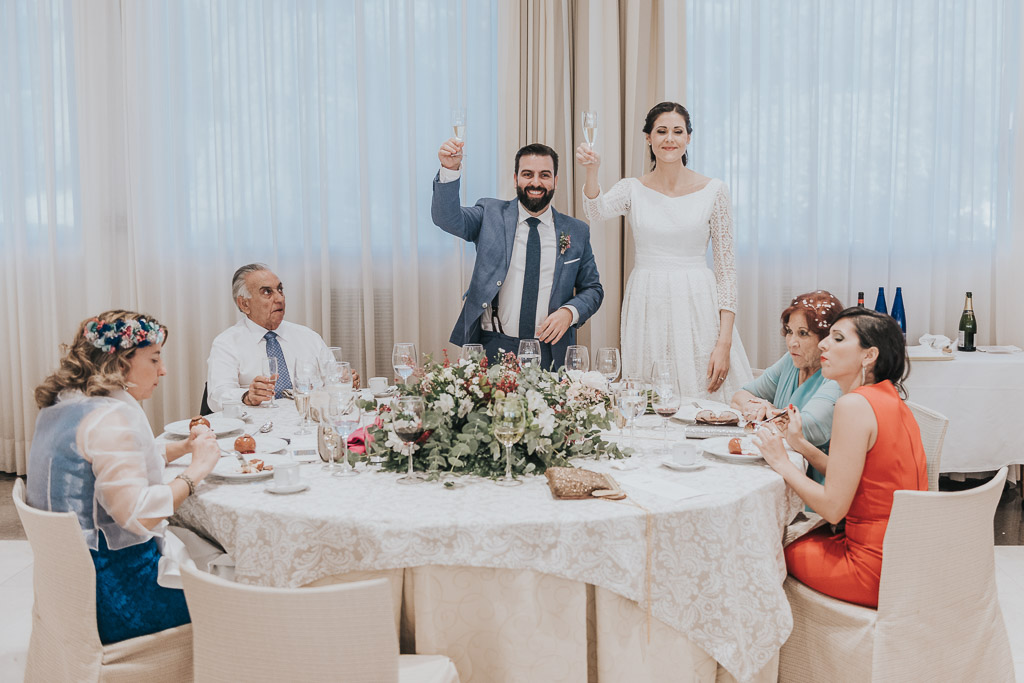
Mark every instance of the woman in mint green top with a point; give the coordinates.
(796, 377)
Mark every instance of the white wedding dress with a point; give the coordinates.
(672, 301)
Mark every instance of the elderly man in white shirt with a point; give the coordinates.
(236, 358)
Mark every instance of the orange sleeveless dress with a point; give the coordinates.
(848, 565)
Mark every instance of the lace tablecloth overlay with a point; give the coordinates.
(716, 565)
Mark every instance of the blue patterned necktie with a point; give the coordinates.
(531, 283)
(284, 380)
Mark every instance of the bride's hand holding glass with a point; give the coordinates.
(586, 156)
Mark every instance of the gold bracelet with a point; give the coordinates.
(188, 480)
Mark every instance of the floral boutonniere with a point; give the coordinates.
(564, 242)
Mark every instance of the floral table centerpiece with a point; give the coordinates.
(565, 416)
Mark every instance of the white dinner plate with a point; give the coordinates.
(229, 469)
(688, 411)
(219, 425)
(283, 490)
(264, 444)
(719, 447)
(673, 465)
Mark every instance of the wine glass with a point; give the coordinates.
(509, 425)
(590, 127)
(577, 360)
(335, 353)
(472, 352)
(343, 414)
(270, 370)
(305, 372)
(407, 421)
(609, 363)
(404, 359)
(632, 402)
(330, 435)
(529, 353)
(665, 400)
(459, 123)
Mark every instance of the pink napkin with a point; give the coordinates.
(358, 440)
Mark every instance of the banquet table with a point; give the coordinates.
(687, 571)
(981, 394)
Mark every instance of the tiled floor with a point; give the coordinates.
(16, 581)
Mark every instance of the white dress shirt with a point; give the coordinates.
(510, 296)
(237, 354)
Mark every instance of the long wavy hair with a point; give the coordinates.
(89, 369)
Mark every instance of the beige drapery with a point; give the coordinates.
(620, 58)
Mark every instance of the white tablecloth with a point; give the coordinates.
(982, 395)
(715, 561)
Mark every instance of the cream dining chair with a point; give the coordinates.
(341, 632)
(933, 432)
(938, 616)
(65, 643)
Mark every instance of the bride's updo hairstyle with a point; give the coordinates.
(882, 332)
(664, 108)
(96, 362)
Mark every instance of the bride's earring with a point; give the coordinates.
(863, 375)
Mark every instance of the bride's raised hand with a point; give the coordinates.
(586, 156)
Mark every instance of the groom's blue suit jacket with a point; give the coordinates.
(491, 225)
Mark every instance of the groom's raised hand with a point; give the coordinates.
(450, 154)
(555, 326)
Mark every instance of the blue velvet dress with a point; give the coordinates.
(129, 602)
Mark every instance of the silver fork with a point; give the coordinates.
(241, 460)
(266, 427)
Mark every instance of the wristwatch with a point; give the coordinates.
(245, 396)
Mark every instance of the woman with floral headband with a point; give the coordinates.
(94, 454)
(796, 379)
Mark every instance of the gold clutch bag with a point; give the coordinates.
(569, 483)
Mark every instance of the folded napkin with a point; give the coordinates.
(939, 342)
(179, 547)
(359, 440)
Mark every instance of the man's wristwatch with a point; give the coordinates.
(245, 396)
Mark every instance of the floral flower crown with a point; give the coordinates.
(822, 307)
(123, 333)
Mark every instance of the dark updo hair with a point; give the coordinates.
(664, 108)
(821, 309)
(882, 332)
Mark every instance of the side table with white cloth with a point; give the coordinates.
(982, 394)
(684, 575)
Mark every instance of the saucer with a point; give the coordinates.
(390, 391)
(294, 488)
(672, 465)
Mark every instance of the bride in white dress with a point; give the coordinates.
(674, 306)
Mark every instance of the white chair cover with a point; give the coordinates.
(933, 432)
(344, 632)
(65, 643)
(938, 614)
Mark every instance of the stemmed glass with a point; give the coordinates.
(305, 372)
(343, 415)
(330, 435)
(577, 360)
(404, 360)
(459, 123)
(407, 421)
(590, 127)
(509, 425)
(609, 363)
(472, 351)
(665, 397)
(529, 353)
(270, 370)
(335, 353)
(632, 402)
(338, 376)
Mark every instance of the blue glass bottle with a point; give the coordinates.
(898, 314)
(880, 302)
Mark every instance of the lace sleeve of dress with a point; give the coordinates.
(723, 246)
(614, 202)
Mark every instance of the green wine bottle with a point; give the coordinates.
(968, 326)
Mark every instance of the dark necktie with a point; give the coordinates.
(531, 283)
(284, 380)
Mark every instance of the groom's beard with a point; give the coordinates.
(534, 204)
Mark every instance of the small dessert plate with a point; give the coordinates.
(283, 490)
(673, 465)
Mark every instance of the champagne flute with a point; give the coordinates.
(403, 359)
(305, 371)
(459, 123)
(344, 417)
(471, 352)
(665, 399)
(529, 353)
(577, 360)
(509, 425)
(270, 370)
(590, 127)
(407, 421)
(609, 363)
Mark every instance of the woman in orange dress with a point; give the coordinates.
(876, 449)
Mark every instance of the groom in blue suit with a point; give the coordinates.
(535, 276)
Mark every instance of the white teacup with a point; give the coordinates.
(232, 409)
(684, 453)
(286, 475)
(378, 385)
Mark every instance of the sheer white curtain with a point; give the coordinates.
(201, 136)
(865, 144)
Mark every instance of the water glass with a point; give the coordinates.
(509, 424)
(529, 353)
(343, 413)
(609, 363)
(472, 352)
(632, 402)
(404, 360)
(577, 360)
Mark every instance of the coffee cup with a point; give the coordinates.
(232, 409)
(378, 385)
(286, 475)
(684, 453)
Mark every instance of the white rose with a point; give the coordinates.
(546, 421)
(535, 401)
(594, 380)
(446, 404)
(465, 407)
